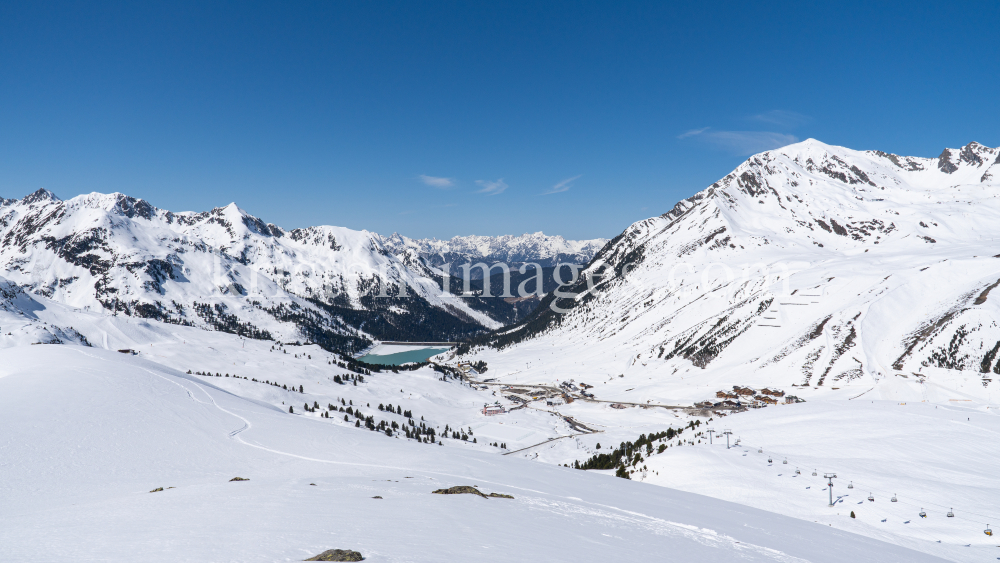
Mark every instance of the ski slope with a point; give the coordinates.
(85, 434)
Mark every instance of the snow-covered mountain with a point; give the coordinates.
(513, 250)
(225, 269)
(812, 267)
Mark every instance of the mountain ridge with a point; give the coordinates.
(704, 289)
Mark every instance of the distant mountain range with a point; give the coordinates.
(547, 251)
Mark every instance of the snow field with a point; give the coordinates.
(86, 433)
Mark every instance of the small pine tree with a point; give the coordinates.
(852, 514)
(598, 445)
(301, 390)
(345, 418)
(291, 410)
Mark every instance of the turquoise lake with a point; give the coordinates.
(399, 358)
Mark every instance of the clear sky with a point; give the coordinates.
(443, 119)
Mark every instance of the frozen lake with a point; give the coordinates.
(398, 354)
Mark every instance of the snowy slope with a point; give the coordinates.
(512, 250)
(85, 434)
(223, 269)
(809, 268)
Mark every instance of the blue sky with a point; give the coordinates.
(443, 119)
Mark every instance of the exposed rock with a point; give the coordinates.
(238, 479)
(467, 490)
(337, 555)
(460, 490)
(156, 490)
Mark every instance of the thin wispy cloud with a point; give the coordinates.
(742, 143)
(563, 186)
(781, 118)
(692, 133)
(437, 181)
(492, 188)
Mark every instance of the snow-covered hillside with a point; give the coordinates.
(811, 268)
(107, 457)
(226, 270)
(537, 247)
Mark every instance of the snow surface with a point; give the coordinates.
(86, 433)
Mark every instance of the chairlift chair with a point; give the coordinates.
(769, 459)
(814, 472)
(785, 462)
(988, 531)
(850, 485)
(922, 513)
(950, 514)
(760, 451)
(893, 499)
(797, 472)
(871, 498)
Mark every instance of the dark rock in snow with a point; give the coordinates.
(337, 555)
(466, 490)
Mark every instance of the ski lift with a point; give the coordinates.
(814, 472)
(922, 513)
(785, 462)
(871, 498)
(760, 451)
(893, 499)
(950, 513)
(769, 459)
(988, 531)
(797, 472)
(850, 485)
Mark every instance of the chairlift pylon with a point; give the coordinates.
(950, 514)
(850, 485)
(871, 498)
(922, 513)
(893, 499)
